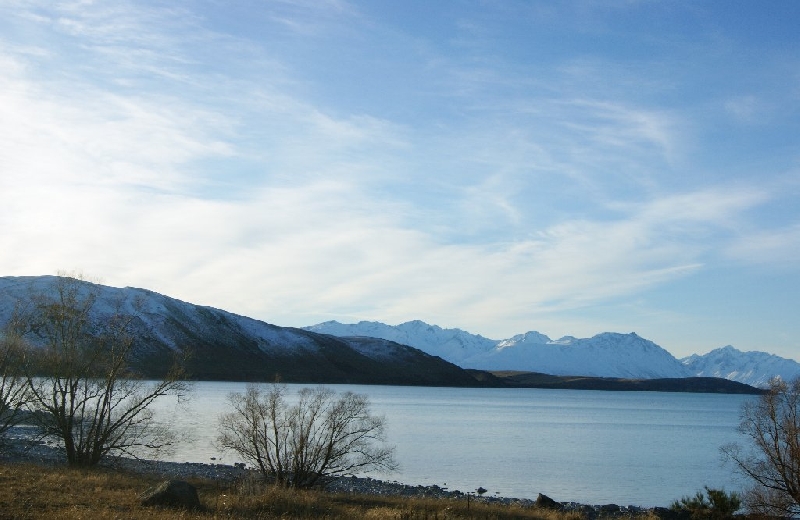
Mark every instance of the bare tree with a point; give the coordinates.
(79, 376)
(13, 385)
(772, 461)
(321, 435)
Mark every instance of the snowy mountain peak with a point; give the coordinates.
(530, 337)
(453, 345)
(753, 368)
(419, 324)
(565, 340)
(608, 354)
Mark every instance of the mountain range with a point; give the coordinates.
(608, 355)
(227, 346)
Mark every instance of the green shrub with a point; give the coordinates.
(718, 505)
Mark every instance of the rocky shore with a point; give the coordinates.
(21, 447)
(369, 486)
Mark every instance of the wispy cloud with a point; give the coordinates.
(768, 247)
(153, 146)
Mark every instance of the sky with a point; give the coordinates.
(568, 167)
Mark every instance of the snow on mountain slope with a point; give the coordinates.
(604, 355)
(220, 338)
(163, 321)
(752, 368)
(223, 346)
(453, 345)
(531, 337)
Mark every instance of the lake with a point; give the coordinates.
(628, 448)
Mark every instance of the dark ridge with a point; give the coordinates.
(688, 384)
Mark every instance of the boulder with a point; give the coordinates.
(546, 502)
(172, 493)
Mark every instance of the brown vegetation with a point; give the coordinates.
(28, 491)
(322, 434)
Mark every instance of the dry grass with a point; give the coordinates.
(28, 491)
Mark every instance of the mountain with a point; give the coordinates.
(226, 346)
(606, 355)
(753, 368)
(454, 345)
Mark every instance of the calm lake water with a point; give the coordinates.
(639, 448)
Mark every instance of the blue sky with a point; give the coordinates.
(568, 167)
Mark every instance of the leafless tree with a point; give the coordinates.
(79, 377)
(772, 460)
(321, 435)
(13, 385)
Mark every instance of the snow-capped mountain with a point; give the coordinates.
(752, 368)
(227, 346)
(453, 345)
(604, 355)
(224, 345)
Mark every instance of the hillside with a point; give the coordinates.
(226, 346)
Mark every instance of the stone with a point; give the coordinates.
(172, 493)
(546, 502)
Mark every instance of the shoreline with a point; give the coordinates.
(20, 447)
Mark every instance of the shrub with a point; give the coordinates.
(719, 504)
(322, 435)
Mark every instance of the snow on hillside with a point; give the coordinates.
(158, 313)
(453, 345)
(752, 368)
(169, 322)
(226, 346)
(531, 337)
(604, 355)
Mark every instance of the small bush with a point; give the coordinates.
(718, 505)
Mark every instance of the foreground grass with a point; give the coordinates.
(28, 491)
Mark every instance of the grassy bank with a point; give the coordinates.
(29, 491)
